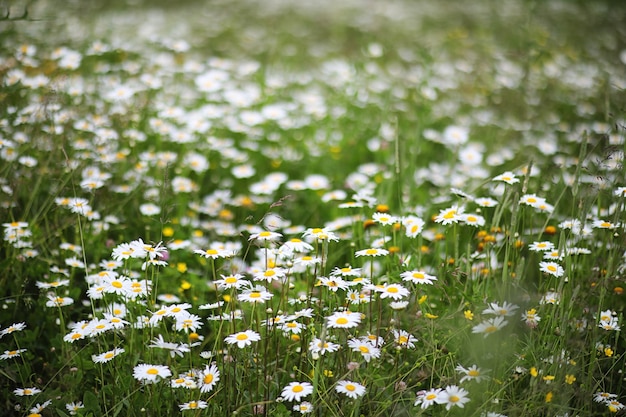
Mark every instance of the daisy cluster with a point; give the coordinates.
(191, 223)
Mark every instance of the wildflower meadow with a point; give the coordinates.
(335, 208)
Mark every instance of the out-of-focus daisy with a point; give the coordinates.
(295, 391)
(350, 389)
(531, 318)
(322, 234)
(507, 177)
(372, 252)
(486, 202)
(213, 253)
(603, 224)
(550, 297)
(473, 373)
(506, 309)
(243, 339)
(490, 326)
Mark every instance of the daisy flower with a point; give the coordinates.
(343, 319)
(243, 339)
(427, 398)
(541, 246)
(20, 392)
(404, 339)
(418, 277)
(532, 200)
(453, 396)
(236, 281)
(486, 202)
(8, 354)
(265, 236)
(473, 373)
(506, 309)
(350, 388)
(384, 218)
(213, 253)
(270, 274)
(107, 356)
(531, 318)
(295, 391)
(304, 407)
(372, 252)
(490, 326)
(393, 291)
(551, 268)
(321, 234)
(208, 378)
(74, 407)
(150, 373)
(507, 177)
(365, 348)
(347, 271)
(413, 226)
(193, 405)
(550, 298)
(316, 346)
(473, 219)
(449, 215)
(257, 295)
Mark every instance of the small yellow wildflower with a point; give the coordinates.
(430, 316)
(185, 285)
(168, 231)
(468, 314)
(422, 299)
(549, 397)
(533, 372)
(608, 351)
(569, 379)
(181, 267)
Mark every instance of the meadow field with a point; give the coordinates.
(335, 208)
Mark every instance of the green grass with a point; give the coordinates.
(199, 126)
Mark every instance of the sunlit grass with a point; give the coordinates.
(282, 209)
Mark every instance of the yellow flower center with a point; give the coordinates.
(208, 378)
(152, 371)
(242, 336)
(350, 387)
(297, 388)
(342, 320)
(364, 349)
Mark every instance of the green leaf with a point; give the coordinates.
(91, 402)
